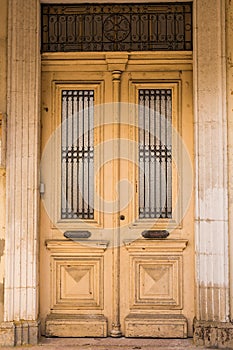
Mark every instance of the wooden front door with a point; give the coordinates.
(116, 252)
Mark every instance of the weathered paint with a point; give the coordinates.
(211, 166)
(211, 215)
(3, 101)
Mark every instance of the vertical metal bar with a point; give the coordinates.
(149, 153)
(69, 153)
(92, 157)
(184, 24)
(140, 33)
(67, 183)
(80, 152)
(170, 160)
(131, 41)
(63, 156)
(174, 30)
(157, 186)
(141, 153)
(152, 165)
(83, 154)
(102, 32)
(78, 135)
(160, 168)
(148, 31)
(155, 161)
(86, 151)
(144, 152)
(157, 27)
(88, 158)
(166, 180)
(75, 160)
(71, 118)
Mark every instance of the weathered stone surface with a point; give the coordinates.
(213, 334)
(156, 326)
(22, 170)
(7, 334)
(113, 344)
(19, 333)
(211, 215)
(76, 326)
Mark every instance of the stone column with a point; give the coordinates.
(211, 217)
(22, 169)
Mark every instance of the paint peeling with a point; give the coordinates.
(2, 247)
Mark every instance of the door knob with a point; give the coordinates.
(122, 217)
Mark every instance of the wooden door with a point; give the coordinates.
(116, 196)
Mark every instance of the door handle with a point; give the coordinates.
(122, 217)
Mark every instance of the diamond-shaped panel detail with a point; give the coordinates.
(78, 282)
(155, 280)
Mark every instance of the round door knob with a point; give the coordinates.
(122, 217)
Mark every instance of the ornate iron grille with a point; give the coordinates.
(117, 27)
(155, 153)
(77, 153)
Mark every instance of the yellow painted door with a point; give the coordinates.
(116, 226)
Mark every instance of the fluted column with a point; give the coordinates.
(21, 276)
(211, 217)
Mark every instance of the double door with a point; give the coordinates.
(116, 232)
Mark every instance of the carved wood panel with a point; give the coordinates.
(78, 282)
(156, 281)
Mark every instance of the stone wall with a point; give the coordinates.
(229, 22)
(3, 102)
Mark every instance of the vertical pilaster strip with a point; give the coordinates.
(229, 21)
(211, 217)
(21, 279)
(116, 327)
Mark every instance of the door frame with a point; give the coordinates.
(133, 71)
(207, 87)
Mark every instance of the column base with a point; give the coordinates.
(213, 334)
(19, 333)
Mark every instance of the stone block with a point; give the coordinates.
(76, 326)
(19, 333)
(213, 334)
(7, 334)
(156, 326)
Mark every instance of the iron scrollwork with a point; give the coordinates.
(117, 27)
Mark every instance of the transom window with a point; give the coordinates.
(117, 27)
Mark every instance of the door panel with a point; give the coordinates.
(116, 162)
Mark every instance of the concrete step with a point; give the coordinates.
(112, 344)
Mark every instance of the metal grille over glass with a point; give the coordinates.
(117, 27)
(155, 153)
(77, 166)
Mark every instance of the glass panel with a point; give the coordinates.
(77, 168)
(117, 27)
(155, 153)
